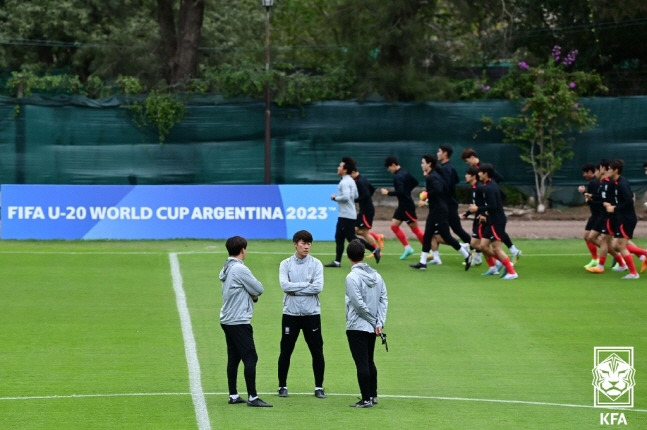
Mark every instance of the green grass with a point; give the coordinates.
(91, 339)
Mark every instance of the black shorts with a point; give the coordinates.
(478, 228)
(598, 223)
(495, 232)
(406, 214)
(623, 227)
(365, 220)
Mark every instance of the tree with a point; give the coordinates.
(180, 38)
(550, 112)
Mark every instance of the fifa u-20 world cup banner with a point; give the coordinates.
(119, 212)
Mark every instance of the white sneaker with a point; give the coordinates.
(620, 268)
(510, 276)
(631, 276)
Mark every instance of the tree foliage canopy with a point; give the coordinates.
(334, 49)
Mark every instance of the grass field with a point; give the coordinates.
(125, 335)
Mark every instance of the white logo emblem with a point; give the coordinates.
(613, 376)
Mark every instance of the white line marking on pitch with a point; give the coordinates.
(195, 382)
(384, 396)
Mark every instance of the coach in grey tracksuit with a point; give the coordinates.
(347, 213)
(366, 306)
(301, 279)
(240, 289)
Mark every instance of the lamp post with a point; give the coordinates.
(268, 143)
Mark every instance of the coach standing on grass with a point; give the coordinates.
(240, 290)
(301, 278)
(366, 305)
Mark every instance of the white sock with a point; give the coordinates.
(423, 257)
(513, 249)
(436, 255)
(464, 252)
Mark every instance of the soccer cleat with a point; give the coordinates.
(418, 266)
(319, 393)
(595, 269)
(258, 403)
(619, 268)
(510, 276)
(283, 392)
(503, 272)
(406, 253)
(491, 271)
(236, 401)
(643, 265)
(477, 261)
(430, 257)
(468, 262)
(380, 241)
(377, 254)
(332, 264)
(374, 400)
(516, 255)
(435, 261)
(362, 404)
(631, 276)
(594, 262)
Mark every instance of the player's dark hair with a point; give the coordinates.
(588, 167)
(467, 153)
(604, 163)
(446, 148)
(303, 235)
(355, 250)
(473, 171)
(391, 160)
(617, 164)
(235, 245)
(349, 164)
(487, 168)
(431, 159)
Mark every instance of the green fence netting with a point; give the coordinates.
(74, 140)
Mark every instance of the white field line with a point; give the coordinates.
(382, 396)
(195, 382)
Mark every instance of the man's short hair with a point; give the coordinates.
(588, 167)
(467, 153)
(431, 159)
(446, 148)
(391, 160)
(487, 168)
(617, 164)
(604, 163)
(235, 245)
(302, 235)
(349, 164)
(473, 171)
(355, 250)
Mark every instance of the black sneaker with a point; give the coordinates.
(235, 401)
(374, 400)
(283, 392)
(332, 264)
(258, 403)
(468, 262)
(418, 266)
(378, 254)
(319, 393)
(362, 404)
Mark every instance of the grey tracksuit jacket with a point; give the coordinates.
(366, 299)
(304, 278)
(238, 285)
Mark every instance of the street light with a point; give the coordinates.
(268, 166)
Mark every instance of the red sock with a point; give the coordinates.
(592, 249)
(491, 261)
(635, 250)
(375, 236)
(602, 260)
(508, 265)
(619, 259)
(399, 234)
(419, 233)
(629, 259)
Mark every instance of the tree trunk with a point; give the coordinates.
(180, 42)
